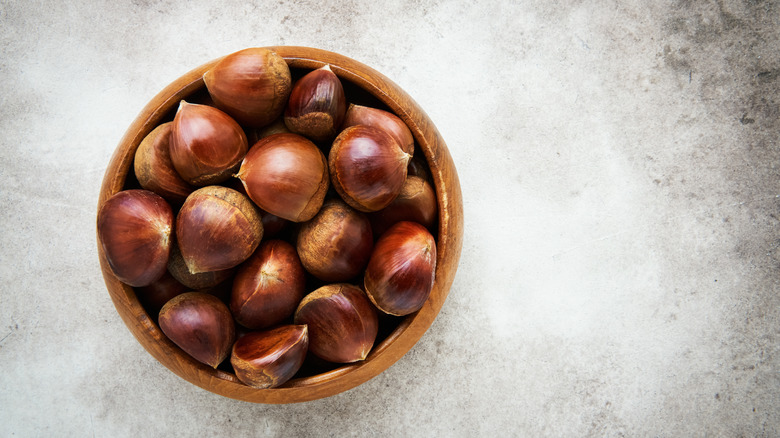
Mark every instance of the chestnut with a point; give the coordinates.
(252, 85)
(342, 323)
(134, 229)
(317, 105)
(386, 121)
(336, 243)
(268, 286)
(400, 274)
(154, 296)
(154, 169)
(270, 358)
(217, 228)
(206, 145)
(201, 325)
(178, 269)
(415, 203)
(367, 167)
(286, 175)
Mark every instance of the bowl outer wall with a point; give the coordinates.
(409, 331)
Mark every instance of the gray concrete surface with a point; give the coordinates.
(619, 163)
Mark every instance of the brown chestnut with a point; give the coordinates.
(367, 167)
(217, 228)
(252, 85)
(134, 229)
(399, 277)
(201, 325)
(342, 323)
(270, 358)
(317, 105)
(155, 295)
(154, 168)
(206, 145)
(194, 281)
(416, 203)
(286, 175)
(336, 243)
(386, 121)
(268, 286)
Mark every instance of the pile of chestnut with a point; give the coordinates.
(274, 221)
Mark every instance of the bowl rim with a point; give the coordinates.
(410, 329)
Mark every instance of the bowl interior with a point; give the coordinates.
(319, 379)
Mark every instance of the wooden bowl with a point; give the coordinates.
(406, 332)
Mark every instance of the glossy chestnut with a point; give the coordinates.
(367, 167)
(268, 359)
(399, 277)
(134, 229)
(217, 228)
(384, 120)
(268, 287)
(317, 105)
(154, 169)
(336, 243)
(286, 175)
(206, 145)
(342, 323)
(252, 85)
(200, 324)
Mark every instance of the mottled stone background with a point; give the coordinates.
(619, 165)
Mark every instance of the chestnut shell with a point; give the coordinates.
(317, 105)
(336, 243)
(201, 325)
(206, 144)
(286, 175)
(342, 323)
(154, 169)
(217, 228)
(268, 287)
(134, 228)
(252, 85)
(270, 358)
(400, 275)
(367, 167)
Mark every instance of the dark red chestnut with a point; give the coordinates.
(399, 277)
(415, 203)
(336, 243)
(270, 358)
(342, 323)
(386, 121)
(201, 325)
(268, 286)
(207, 145)
(252, 85)
(286, 175)
(367, 167)
(134, 228)
(317, 105)
(217, 228)
(154, 169)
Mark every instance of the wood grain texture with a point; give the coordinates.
(409, 331)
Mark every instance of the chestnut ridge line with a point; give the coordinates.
(184, 155)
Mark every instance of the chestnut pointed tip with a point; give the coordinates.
(326, 67)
